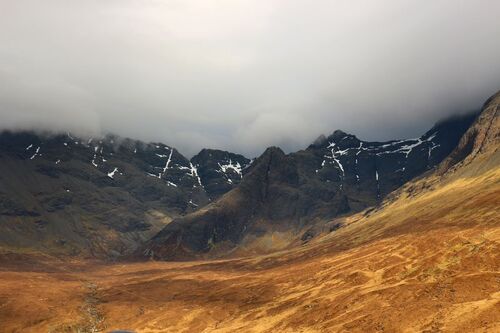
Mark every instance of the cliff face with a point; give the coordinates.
(110, 196)
(97, 196)
(283, 194)
(219, 170)
(483, 136)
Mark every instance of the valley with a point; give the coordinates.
(427, 264)
(425, 258)
(208, 166)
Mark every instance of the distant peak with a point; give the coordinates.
(494, 99)
(339, 134)
(273, 150)
(319, 140)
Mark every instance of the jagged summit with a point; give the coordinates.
(120, 192)
(319, 140)
(338, 175)
(99, 196)
(220, 170)
(335, 136)
(339, 134)
(482, 137)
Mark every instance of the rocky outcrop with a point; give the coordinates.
(483, 136)
(219, 170)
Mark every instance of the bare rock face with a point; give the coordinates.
(98, 196)
(335, 175)
(483, 136)
(113, 196)
(220, 170)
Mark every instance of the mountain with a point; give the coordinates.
(104, 196)
(107, 197)
(483, 136)
(282, 196)
(220, 170)
(424, 259)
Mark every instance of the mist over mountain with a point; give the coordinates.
(241, 76)
(249, 166)
(345, 234)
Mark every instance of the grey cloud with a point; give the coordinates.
(243, 74)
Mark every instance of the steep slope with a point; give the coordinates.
(464, 190)
(220, 170)
(483, 136)
(63, 194)
(281, 195)
(427, 259)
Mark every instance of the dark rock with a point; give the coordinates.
(9, 207)
(334, 176)
(219, 170)
(58, 202)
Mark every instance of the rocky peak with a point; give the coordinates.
(219, 170)
(482, 137)
(334, 176)
(123, 187)
(320, 140)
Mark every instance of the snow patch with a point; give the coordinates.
(165, 168)
(236, 167)
(431, 149)
(378, 184)
(93, 161)
(334, 155)
(36, 153)
(194, 173)
(112, 173)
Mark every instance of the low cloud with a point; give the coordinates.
(243, 75)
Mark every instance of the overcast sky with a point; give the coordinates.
(245, 74)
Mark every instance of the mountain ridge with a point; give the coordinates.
(107, 197)
(423, 259)
(95, 196)
(282, 194)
